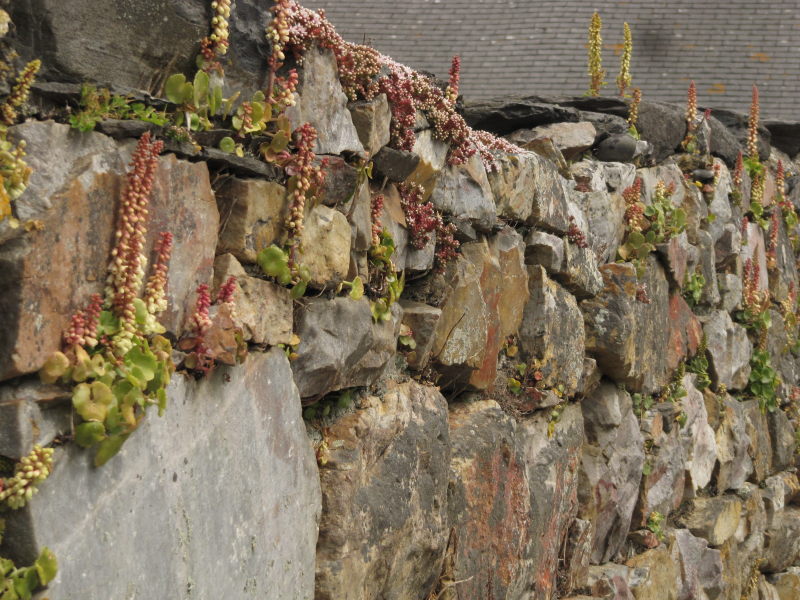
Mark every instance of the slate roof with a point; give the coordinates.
(539, 46)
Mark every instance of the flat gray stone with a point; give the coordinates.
(226, 478)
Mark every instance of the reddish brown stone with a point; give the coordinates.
(47, 275)
(685, 331)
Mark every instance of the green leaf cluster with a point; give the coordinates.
(111, 394)
(666, 220)
(693, 288)
(99, 104)
(764, 381)
(20, 583)
(274, 262)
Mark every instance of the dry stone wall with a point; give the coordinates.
(564, 424)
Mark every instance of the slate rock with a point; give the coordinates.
(782, 436)
(421, 319)
(730, 289)
(570, 138)
(322, 103)
(326, 246)
(737, 124)
(340, 345)
(611, 468)
(371, 119)
(782, 542)
(659, 577)
(136, 43)
(627, 337)
(31, 413)
(760, 446)
(464, 192)
(504, 115)
(511, 498)
(735, 464)
(784, 135)
(787, 584)
(605, 213)
(604, 124)
(663, 125)
(263, 308)
(384, 528)
(397, 165)
(723, 143)
(252, 212)
(714, 519)
(729, 351)
(259, 500)
(662, 488)
(700, 566)
(74, 189)
(697, 438)
(551, 334)
(618, 147)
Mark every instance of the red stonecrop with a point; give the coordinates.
(446, 244)
(83, 328)
(365, 73)
(575, 235)
(421, 217)
(126, 270)
(455, 79)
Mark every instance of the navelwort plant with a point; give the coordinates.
(114, 354)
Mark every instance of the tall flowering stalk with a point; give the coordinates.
(752, 127)
(375, 217)
(19, 93)
(596, 72)
(689, 142)
(455, 79)
(633, 109)
(126, 271)
(29, 472)
(624, 78)
(215, 45)
(634, 208)
(83, 327)
(303, 177)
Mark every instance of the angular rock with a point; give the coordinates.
(74, 190)
(371, 120)
(627, 337)
(397, 165)
(700, 566)
(785, 136)
(551, 334)
(339, 181)
(606, 216)
(675, 254)
(485, 293)
(251, 212)
(260, 500)
(782, 542)
(787, 584)
(737, 124)
(783, 279)
(322, 103)
(570, 138)
(782, 436)
(663, 125)
(619, 147)
(663, 485)
(511, 497)
(579, 547)
(714, 519)
(723, 143)
(513, 185)
(136, 44)
(611, 469)
(720, 205)
(432, 154)
(730, 289)
(422, 319)
(659, 578)
(697, 438)
(760, 447)
(340, 345)
(464, 192)
(326, 246)
(383, 530)
(706, 266)
(605, 124)
(263, 308)
(547, 149)
(729, 351)
(728, 246)
(546, 250)
(735, 464)
(30, 413)
(508, 114)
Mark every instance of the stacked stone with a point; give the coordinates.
(440, 480)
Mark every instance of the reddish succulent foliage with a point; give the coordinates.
(575, 235)
(421, 217)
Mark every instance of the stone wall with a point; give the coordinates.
(549, 435)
